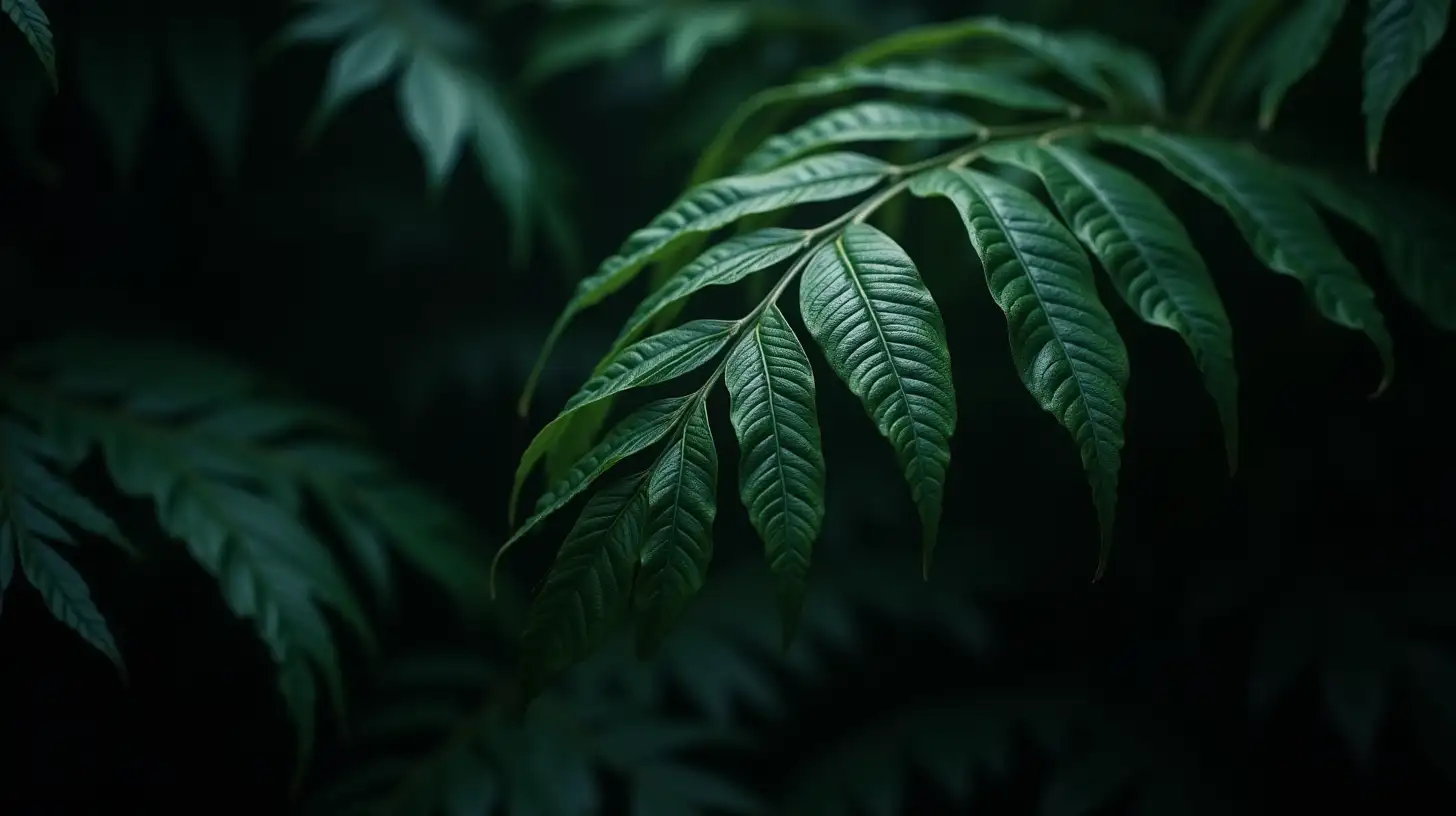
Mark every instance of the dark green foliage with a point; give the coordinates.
(863, 302)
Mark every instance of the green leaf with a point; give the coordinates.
(708, 207)
(1283, 230)
(931, 77)
(781, 475)
(1149, 257)
(581, 42)
(1064, 342)
(698, 29)
(657, 359)
(34, 502)
(363, 63)
(1416, 233)
(1399, 35)
(1302, 40)
(31, 19)
(1086, 60)
(1213, 28)
(864, 302)
(1130, 70)
(723, 264)
(211, 68)
(683, 497)
(117, 75)
(65, 594)
(587, 591)
(503, 151)
(436, 108)
(864, 122)
(634, 434)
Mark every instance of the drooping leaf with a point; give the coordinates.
(211, 67)
(365, 61)
(1066, 347)
(698, 29)
(587, 591)
(683, 497)
(116, 73)
(1213, 28)
(634, 434)
(709, 207)
(863, 301)
(1416, 233)
(863, 122)
(781, 473)
(1302, 40)
(435, 105)
(656, 359)
(35, 26)
(1129, 70)
(1399, 35)
(1149, 257)
(1283, 230)
(35, 503)
(65, 594)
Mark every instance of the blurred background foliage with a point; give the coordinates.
(382, 204)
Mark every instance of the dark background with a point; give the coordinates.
(334, 269)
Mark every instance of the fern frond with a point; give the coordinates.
(35, 26)
(228, 466)
(862, 300)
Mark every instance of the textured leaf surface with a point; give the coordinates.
(1280, 226)
(30, 18)
(1149, 257)
(1399, 34)
(1417, 236)
(781, 472)
(683, 496)
(864, 122)
(632, 435)
(713, 205)
(35, 503)
(863, 301)
(1064, 342)
(588, 588)
(1301, 41)
(657, 359)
